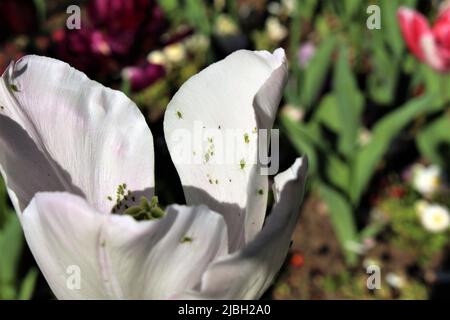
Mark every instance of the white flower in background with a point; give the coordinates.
(197, 43)
(289, 5)
(225, 26)
(275, 30)
(274, 8)
(286, 7)
(434, 217)
(175, 53)
(364, 136)
(426, 180)
(73, 153)
(293, 112)
(157, 57)
(395, 280)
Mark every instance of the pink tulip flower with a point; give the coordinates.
(430, 45)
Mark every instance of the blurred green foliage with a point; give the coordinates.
(371, 91)
(12, 284)
(408, 233)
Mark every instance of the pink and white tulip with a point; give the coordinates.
(430, 45)
(67, 143)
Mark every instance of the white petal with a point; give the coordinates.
(246, 274)
(88, 138)
(118, 257)
(242, 93)
(62, 231)
(431, 52)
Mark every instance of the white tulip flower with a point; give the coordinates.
(78, 162)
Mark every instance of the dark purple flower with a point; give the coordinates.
(84, 49)
(116, 33)
(119, 14)
(141, 77)
(17, 17)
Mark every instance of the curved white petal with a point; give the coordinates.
(115, 256)
(63, 131)
(246, 274)
(210, 128)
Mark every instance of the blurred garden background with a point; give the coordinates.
(370, 113)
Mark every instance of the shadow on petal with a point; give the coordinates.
(25, 168)
(234, 215)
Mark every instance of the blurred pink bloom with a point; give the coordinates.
(122, 21)
(429, 44)
(81, 49)
(141, 77)
(119, 14)
(305, 53)
(116, 33)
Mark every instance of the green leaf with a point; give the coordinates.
(28, 284)
(197, 15)
(11, 244)
(341, 215)
(383, 133)
(337, 171)
(390, 27)
(434, 141)
(350, 7)
(3, 203)
(382, 81)
(372, 230)
(299, 137)
(436, 84)
(349, 103)
(316, 72)
(328, 114)
(168, 5)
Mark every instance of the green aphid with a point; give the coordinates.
(242, 164)
(144, 204)
(14, 88)
(154, 202)
(146, 210)
(157, 213)
(246, 138)
(133, 211)
(186, 239)
(179, 115)
(260, 191)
